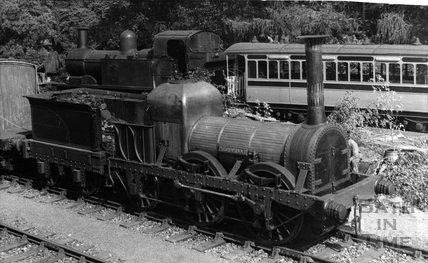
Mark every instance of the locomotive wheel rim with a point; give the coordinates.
(149, 190)
(94, 182)
(54, 176)
(210, 209)
(52, 180)
(286, 222)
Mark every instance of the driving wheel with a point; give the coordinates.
(285, 222)
(149, 192)
(202, 208)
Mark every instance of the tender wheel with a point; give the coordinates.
(93, 183)
(149, 192)
(202, 208)
(52, 175)
(286, 222)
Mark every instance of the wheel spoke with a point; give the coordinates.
(210, 209)
(285, 221)
(148, 192)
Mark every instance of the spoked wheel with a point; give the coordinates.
(93, 183)
(52, 179)
(286, 222)
(53, 175)
(149, 192)
(202, 208)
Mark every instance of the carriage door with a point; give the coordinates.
(236, 77)
(177, 51)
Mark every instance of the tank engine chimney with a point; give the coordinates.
(314, 71)
(83, 37)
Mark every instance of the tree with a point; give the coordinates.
(393, 29)
(322, 18)
(295, 19)
(24, 26)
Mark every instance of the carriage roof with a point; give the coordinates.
(272, 48)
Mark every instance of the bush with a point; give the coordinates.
(349, 116)
(410, 177)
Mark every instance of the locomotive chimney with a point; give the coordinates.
(314, 72)
(83, 37)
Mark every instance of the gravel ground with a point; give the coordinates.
(404, 226)
(129, 245)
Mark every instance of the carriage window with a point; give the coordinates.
(421, 74)
(252, 69)
(394, 73)
(295, 69)
(367, 71)
(380, 69)
(273, 69)
(343, 71)
(330, 71)
(262, 69)
(354, 69)
(303, 69)
(284, 67)
(408, 73)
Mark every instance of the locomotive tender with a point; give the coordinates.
(174, 147)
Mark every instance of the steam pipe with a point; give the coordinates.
(314, 72)
(83, 37)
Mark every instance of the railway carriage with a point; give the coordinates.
(276, 74)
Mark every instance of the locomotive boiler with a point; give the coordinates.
(173, 147)
(132, 70)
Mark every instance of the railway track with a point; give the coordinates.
(346, 245)
(23, 244)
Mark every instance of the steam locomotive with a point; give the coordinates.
(132, 70)
(172, 146)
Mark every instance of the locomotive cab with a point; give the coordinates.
(189, 49)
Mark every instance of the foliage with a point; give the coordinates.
(296, 20)
(83, 97)
(115, 16)
(198, 74)
(382, 113)
(263, 109)
(349, 115)
(410, 177)
(386, 107)
(246, 29)
(197, 15)
(393, 29)
(293, 20)
(69, 19)
(24, 25)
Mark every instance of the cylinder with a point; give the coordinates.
(83, 37)
(314, 71)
